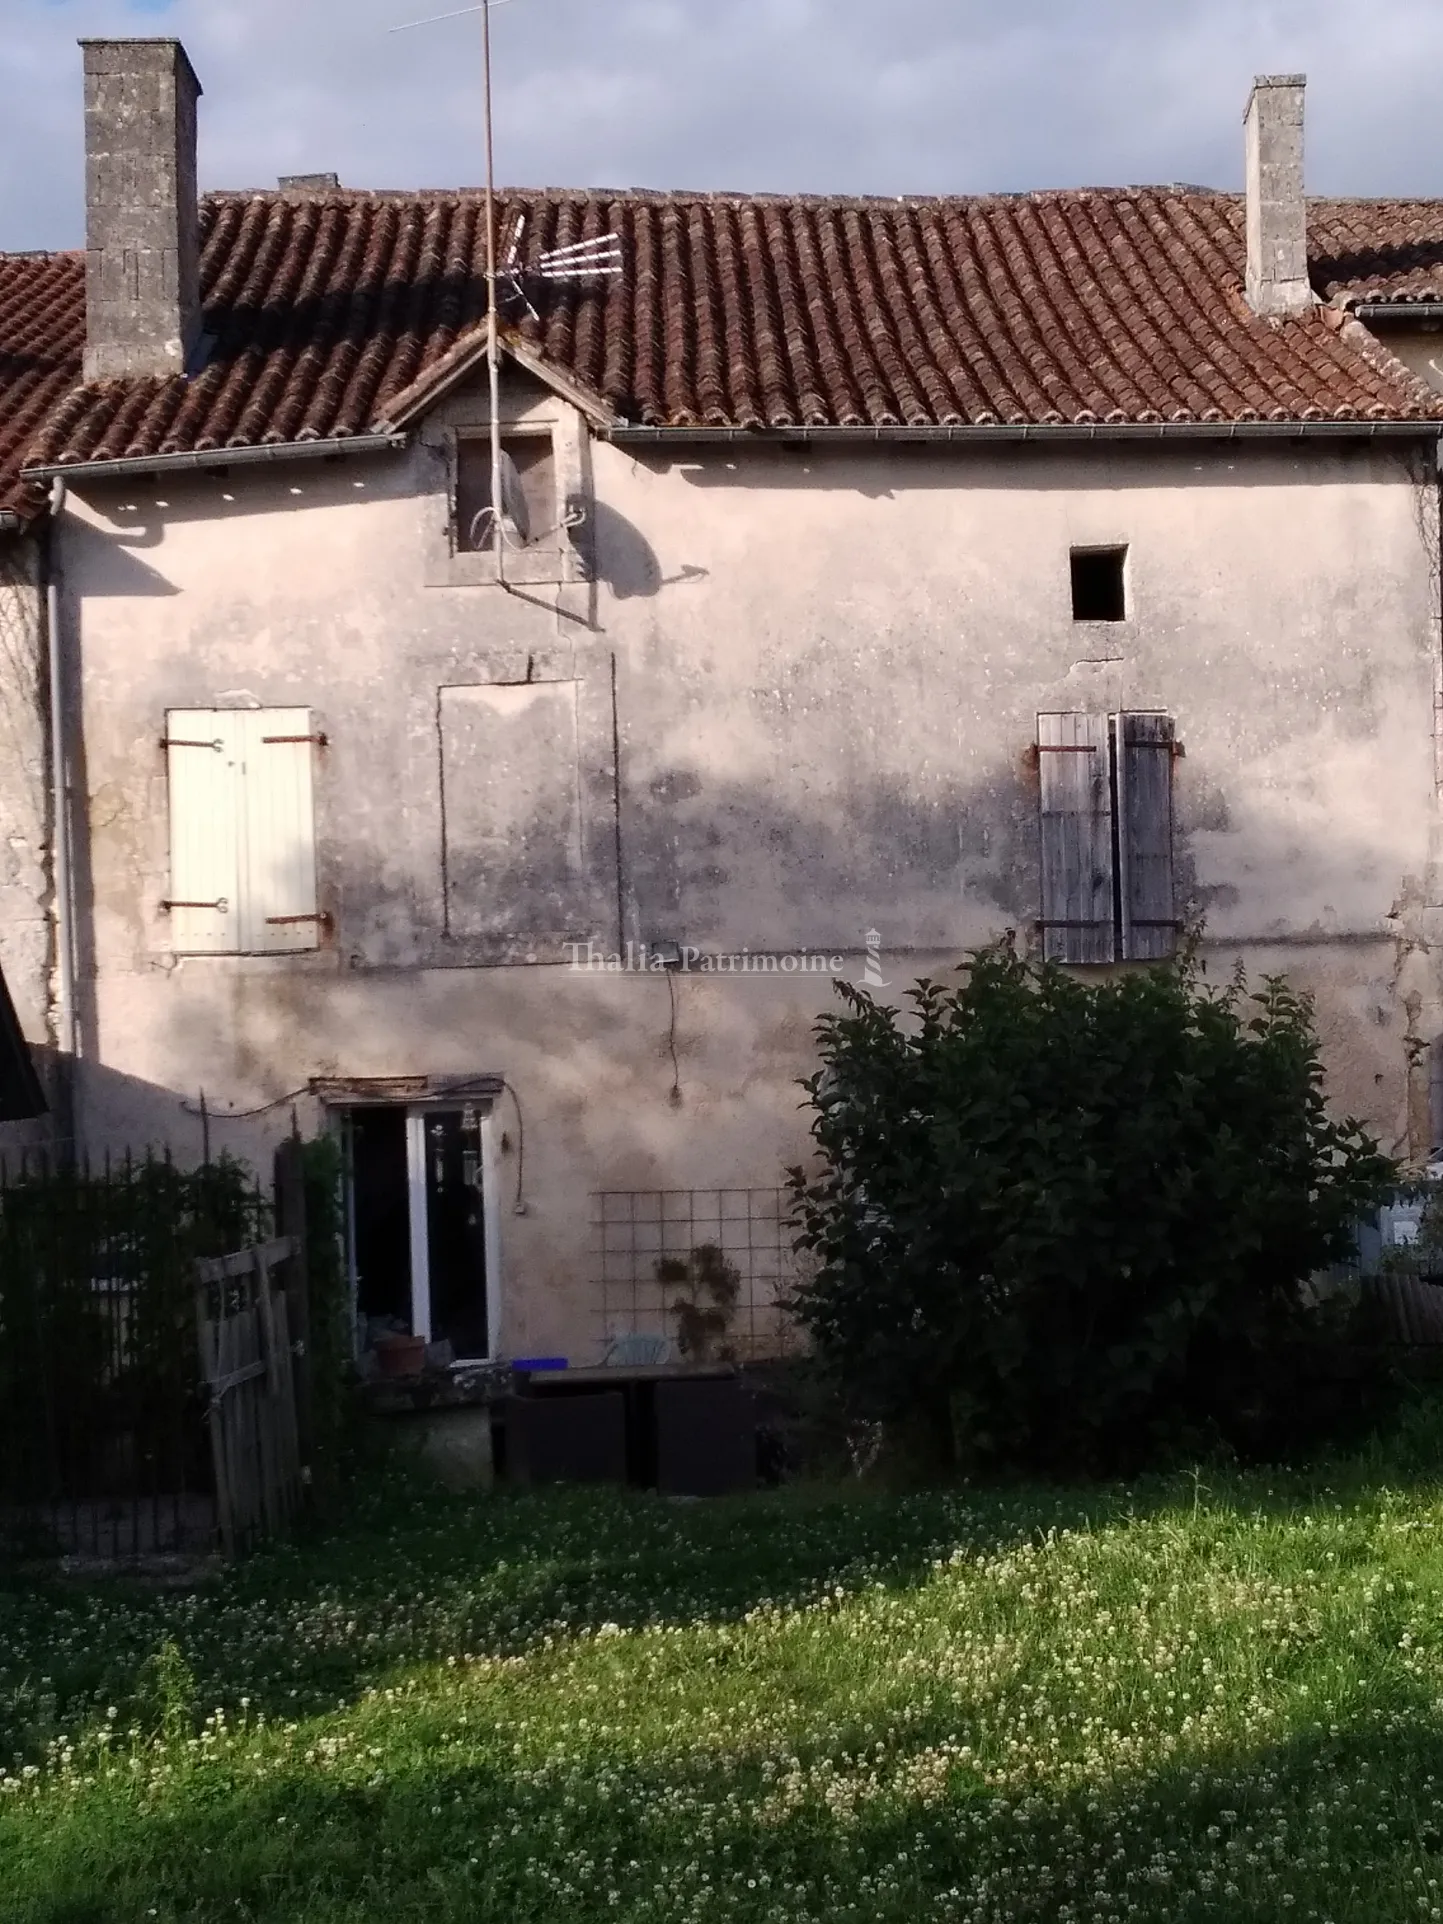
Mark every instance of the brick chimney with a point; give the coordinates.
(1277, 213)
(142, 238)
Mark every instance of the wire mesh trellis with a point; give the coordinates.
(102, 1444)
(642, 1238)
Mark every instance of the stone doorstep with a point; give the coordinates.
(467, 1386)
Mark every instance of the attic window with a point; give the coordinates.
(529, 515)
(1099, 584)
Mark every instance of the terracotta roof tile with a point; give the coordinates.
(1105, 306)
(42, 337)
(1380, 250)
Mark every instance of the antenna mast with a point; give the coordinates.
(586, 261)
(493, 332)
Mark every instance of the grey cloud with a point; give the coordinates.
(839, 95)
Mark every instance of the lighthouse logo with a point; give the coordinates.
(872, 976)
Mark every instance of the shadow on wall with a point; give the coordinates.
(108, 557)
(777, 862)
(708, 860)
(728, 864)
(135, 512)
(120, 1110)
(880, 470)
(625, 561)
(105, 559)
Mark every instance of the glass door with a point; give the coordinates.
(456, 1232)
(421, 1226)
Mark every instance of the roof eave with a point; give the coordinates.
(191, 459)
(1044, 432)
(1366, 310)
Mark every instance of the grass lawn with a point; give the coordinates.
(1214, 1697)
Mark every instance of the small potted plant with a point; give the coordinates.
(400, 1354)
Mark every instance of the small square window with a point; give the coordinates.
(528, 490)
(1099, 584)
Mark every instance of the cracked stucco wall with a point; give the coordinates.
(811, 679)
(25, 902)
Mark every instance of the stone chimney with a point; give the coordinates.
(142, 236)
(1277, 213)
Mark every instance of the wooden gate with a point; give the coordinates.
(247, 1362)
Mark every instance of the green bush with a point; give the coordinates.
(1065, 1223)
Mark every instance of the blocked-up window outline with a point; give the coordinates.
(512, 810)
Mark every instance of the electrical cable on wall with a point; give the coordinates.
(206, 1114)
(468, 1085)
(675, 1095)
(518, 1207)
(512, 534)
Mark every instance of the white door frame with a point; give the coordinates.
(416, 1118)
(420, 1229)
(492, 1232)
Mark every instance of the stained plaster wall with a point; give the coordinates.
(811, 679)
(1419, 346)
(25, 883)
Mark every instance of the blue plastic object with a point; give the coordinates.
(538, 1362)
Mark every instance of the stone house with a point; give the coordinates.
(877, 575)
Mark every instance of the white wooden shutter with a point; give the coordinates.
(1145, 749)
(203, 763)
(1075, 782)
(279, 904)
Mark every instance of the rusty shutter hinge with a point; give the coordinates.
(317, 741)
(322, 920)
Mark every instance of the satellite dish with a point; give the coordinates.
(515, 515)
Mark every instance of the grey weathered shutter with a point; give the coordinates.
(1077, 872)
(1145, 749)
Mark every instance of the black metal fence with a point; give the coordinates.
(103, 1450)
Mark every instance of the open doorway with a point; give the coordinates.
(422, 1222)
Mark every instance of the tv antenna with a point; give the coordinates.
(599, 258)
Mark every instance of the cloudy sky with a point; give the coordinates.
(876, 96)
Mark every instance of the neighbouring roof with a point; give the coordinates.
(1378, 250)
(42, 338)
(1100, 306)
